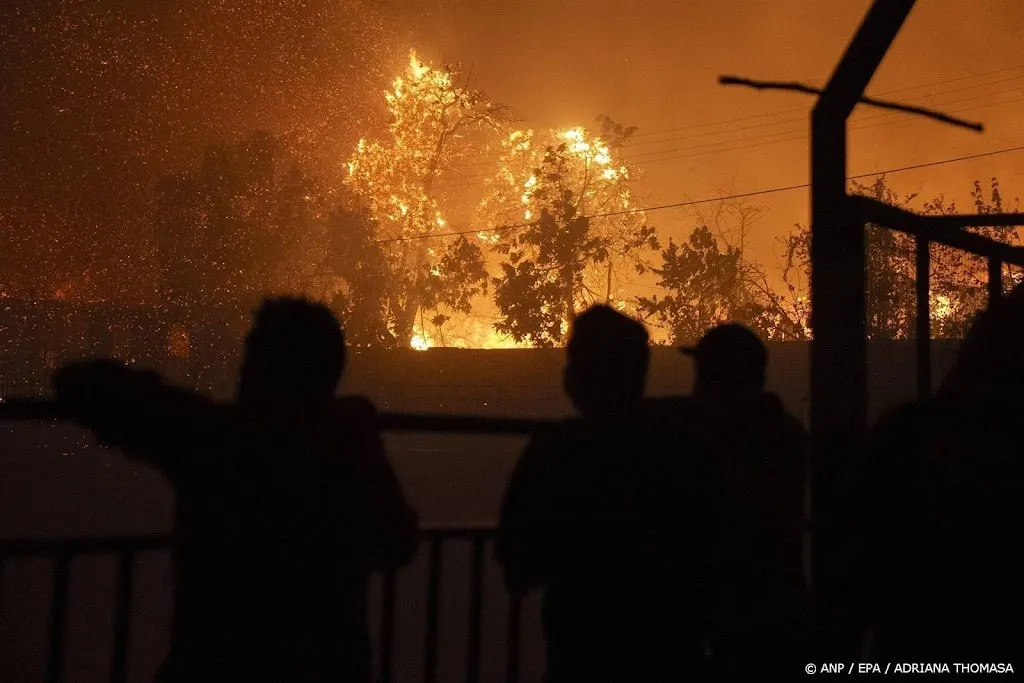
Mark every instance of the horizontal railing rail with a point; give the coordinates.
(30, 408)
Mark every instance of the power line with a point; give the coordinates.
(694, 202)
(803, 110)
(465, 180)
(805, 136)
(803, 119)
(795, 134)
(939, 163)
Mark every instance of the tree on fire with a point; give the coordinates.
(560, 212)
(434, 116)
(958, 280)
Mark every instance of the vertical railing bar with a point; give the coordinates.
(387, 628)
(433, 611)
(58, 617)
(123, 613)
(512, 638)
(476, 591)
(924, 327)
(995, 280)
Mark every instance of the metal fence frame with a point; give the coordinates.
(838, 406)
(126, 548)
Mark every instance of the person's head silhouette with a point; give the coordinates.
(294, 352)
(730, 359)
(606, 364)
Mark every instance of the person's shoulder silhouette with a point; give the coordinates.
(285, 500)
(948, 472)
(603, 511)
(760, 599)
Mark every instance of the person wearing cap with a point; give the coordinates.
(730, 363)
(759, 597)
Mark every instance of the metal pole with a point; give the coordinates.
(839, 346)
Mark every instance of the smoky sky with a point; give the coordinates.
(100, 97)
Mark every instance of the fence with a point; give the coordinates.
(946, 230)
(126, 550)
(62, 552)
(839, 378)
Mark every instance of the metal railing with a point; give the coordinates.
(62, 552)
(126, 548)
(948, 231)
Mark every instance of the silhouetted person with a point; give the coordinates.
(945, 504)
(613, 516)
(285, 502)
(759, 606)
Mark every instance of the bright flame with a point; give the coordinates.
(416, 67)
(941, 307)
(419, 343)
(572, 134)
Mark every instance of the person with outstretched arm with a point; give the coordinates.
(285, 501)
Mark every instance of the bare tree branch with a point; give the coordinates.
(882, 104)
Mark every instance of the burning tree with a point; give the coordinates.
(561, 214)
(958, 280)
(434, 116)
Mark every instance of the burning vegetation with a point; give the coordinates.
(553, 224)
